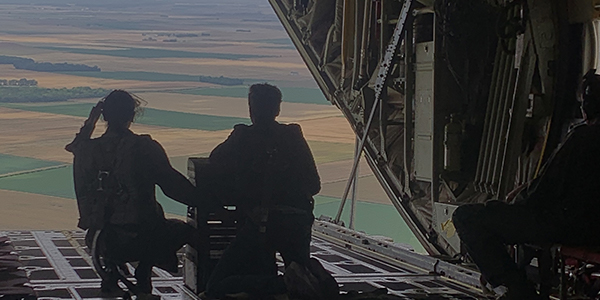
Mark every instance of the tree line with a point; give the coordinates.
(21, 94)
(23, 63)
(221, 80)
(18, 82)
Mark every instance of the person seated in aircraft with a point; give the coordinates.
(267, 169)
(115, 177)
(559, 206)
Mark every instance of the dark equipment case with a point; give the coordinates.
(220, 223)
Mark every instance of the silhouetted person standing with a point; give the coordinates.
(115, 177)
(268, 171)
(561, 205)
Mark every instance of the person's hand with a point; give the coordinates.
(90, 123)
(513, 194)
(88, 126)
(95, 114)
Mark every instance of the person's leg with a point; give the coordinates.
(304, 277)
(143, 275)
(487, 229)
(178, 233)
(297, 250)
(290, 234)
(166, 239)
(109, 279)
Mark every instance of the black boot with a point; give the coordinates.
(301, 283)
(327, 284)
(143, 275)
(109, 287)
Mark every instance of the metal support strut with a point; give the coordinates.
(384, 70)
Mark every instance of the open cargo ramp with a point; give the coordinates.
(58, 266)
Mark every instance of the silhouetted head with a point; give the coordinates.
(589, 95)
(264, 101)
(120, 108)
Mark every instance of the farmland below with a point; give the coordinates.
(192, 62)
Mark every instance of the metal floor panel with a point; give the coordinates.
(355, 271)
(59, 266)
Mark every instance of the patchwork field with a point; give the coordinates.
(159, 51)
(34, 143)
(150, 116)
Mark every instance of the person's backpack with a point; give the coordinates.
(268, 164)
(104, 183)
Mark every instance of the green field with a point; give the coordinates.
(12, 164)
(152, 53)
(389, 223)
(290, 94)
(277, 44)
(282, 41)
(150, 116)
(59, 183)
(325, 152)
(278, 47)
(54, 182)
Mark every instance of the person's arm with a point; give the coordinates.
(223, 164)
(172, 183)
(88, 127)
(547, 189)
(224, 154)
(306, 162)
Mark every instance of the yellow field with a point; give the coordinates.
(25, 211)
(36, 135)
(184, 142)
(233, 107)
(330, 129)
(271, 63)
(44, 136)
